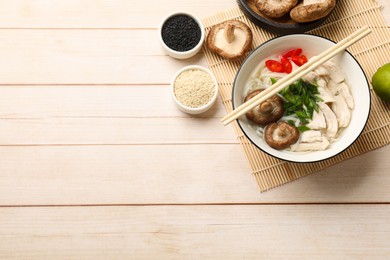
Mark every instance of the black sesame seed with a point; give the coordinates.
(181, 33)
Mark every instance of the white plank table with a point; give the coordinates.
(97, 162)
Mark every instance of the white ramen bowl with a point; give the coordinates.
(312, 45)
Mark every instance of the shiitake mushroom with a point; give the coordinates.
(308, 11)
(277, 134)
(275, 8)
(231, 39)
(301, 12)
(280, 135)
(267, 112)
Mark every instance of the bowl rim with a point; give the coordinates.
(196, 110)
(305, 161)
(194, 50)
(275, 26)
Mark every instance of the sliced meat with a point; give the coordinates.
(310, 77)
(318, 121)
(343, 90)
(311, 136)
(322, 71)
(333, 87)
(332, 125)
(325, 95)
(341, 110)
(307, 147)
(335, 74)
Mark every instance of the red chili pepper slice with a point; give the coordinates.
(299, 60)
(287, 66)
(274, 66)
(292, 53)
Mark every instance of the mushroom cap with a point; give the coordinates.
(281, 135)
(305, 12)
(275, 8)
(267, 112)
(231, 39)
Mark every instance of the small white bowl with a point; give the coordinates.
(182, 54)
(197, 110)
(312, 45)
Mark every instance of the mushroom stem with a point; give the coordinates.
(266, 107)
(229, 32)
(282, 130)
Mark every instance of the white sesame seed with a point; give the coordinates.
(194, 88)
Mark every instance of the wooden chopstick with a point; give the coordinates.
(297, 74)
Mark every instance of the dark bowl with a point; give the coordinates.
(283, 25)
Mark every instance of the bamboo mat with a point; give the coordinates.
(371, 52)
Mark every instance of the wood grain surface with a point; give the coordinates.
(96, 162)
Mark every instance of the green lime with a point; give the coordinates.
(381, 82)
